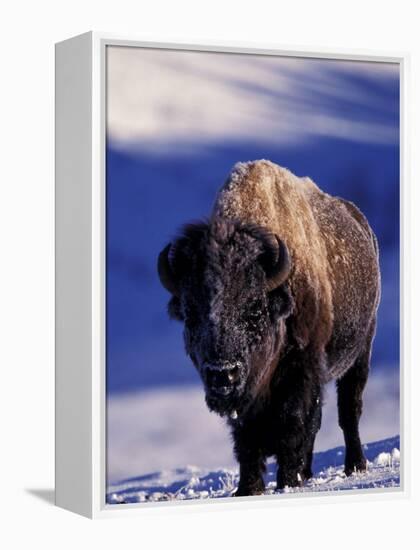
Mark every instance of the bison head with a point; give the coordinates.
(227, 281)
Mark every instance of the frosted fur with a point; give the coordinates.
(263, 193)
(310, 222)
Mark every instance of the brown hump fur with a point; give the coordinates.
(263, 193)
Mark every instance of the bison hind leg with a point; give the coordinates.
(349, 392)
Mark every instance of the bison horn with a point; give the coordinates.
(166, 274)
(279, 272)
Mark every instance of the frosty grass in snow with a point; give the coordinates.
(195, 483)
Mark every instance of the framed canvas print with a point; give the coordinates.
(229, 248)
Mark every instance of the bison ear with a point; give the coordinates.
(166, 273)
(177, 257)
(281, 303)
(170, 281)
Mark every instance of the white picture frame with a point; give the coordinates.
(80, 274)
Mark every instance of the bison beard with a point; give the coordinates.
(278, 294)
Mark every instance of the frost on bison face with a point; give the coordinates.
(226, 282)
(278, 294)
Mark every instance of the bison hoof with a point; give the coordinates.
(250, 490)
(355, 466)
(293, 479)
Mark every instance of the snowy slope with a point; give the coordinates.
(195, 483)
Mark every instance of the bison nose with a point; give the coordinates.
(221, 378)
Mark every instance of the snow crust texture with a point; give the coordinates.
(195, 483)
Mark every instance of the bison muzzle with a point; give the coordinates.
(278, 293)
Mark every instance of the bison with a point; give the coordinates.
(278, 292)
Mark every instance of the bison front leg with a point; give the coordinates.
(292, 454)
(251, 461)
(251, 481)
(312, 428)
(298, 423)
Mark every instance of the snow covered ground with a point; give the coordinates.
(197, 483)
